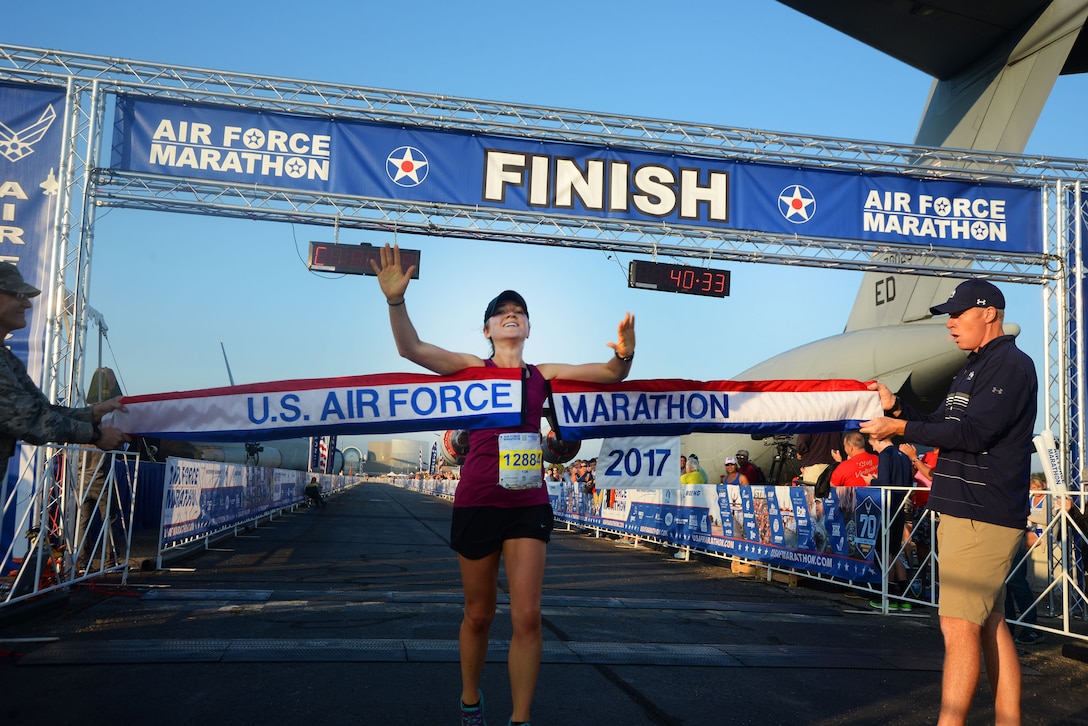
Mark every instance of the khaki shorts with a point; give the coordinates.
(974, 559)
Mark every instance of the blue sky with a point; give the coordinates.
(171, 287)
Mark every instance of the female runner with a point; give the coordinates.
(498, 512)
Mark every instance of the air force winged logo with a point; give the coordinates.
(797, 204)
(407, 166)
(19, 144)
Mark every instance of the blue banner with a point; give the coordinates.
(779, 525)
(201, 497)
(31, 121)
(31, 140)
(420, 164)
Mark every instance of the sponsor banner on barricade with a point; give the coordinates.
(435, 486)
(673, 407)
(384, 403)
(780, 525)
(784, 526)
(287, 487)
(200, 497)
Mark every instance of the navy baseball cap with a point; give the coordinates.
(971, 294)
(505, 296)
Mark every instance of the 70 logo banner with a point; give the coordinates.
(639, 462)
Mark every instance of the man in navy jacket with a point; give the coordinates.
(980, 488)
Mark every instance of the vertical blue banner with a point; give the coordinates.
(31, 142)
(30, 151)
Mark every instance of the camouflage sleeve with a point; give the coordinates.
(25, 412)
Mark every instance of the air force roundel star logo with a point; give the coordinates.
(797, 204)
(407, 166)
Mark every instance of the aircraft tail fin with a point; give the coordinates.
(888, 298)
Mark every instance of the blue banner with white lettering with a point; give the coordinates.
(420, 164)
(31, 140)
(785, 526)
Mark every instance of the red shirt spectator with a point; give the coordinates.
(860, 462)
(923, 473)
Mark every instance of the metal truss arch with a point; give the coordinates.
(93, 82)
(169, 194)
(346, 101)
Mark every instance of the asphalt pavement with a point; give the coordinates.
(349, 615)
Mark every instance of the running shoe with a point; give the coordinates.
(473, 716)
(879, 606)
(905, 607)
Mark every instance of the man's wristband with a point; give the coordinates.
(395, 304)
(896, 406)
(96, 433)
(625, 358)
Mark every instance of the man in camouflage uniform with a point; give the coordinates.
(25, 412)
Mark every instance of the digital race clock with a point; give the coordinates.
(678, 278)
(354, 259)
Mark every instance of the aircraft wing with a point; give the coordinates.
(939, 37)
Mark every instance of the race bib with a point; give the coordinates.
(520, 461)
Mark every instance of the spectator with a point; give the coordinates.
(694, 473)
(893, 470)
(859, 462)
(1018, 594)
(814, 453)
(94, 473)
(980, 487)
(751, 472)
(922, 522)
(583, 477)
(313, 491)
(732, 472)
(923, 466)
(583, 484)
(1038, 512)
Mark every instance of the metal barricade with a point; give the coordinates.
(78, 524)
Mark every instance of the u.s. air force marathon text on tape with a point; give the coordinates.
(493, 398)
(383, 403)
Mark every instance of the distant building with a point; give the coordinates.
(399, 456)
